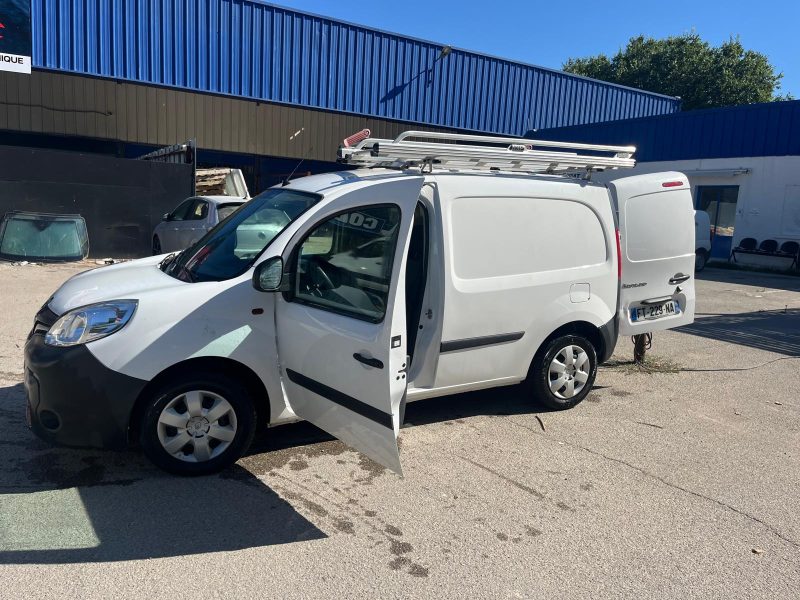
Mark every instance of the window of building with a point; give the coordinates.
(719, 201)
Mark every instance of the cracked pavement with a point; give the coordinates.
(660, 484)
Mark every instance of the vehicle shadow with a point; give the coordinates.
(61, 505)
(772, 330)
(757, 278)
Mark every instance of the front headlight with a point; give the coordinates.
(90, 323)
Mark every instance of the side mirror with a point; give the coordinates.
(165, 217)
(268, 276)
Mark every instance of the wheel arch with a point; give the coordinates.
(228, 366)
(582, 328)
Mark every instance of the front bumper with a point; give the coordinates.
(75, 400)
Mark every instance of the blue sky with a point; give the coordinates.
(547, 33)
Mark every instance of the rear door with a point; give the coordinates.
(657, 251)
(174, 226)
(341, 329)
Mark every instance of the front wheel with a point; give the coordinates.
(197, 425)
(156, 246)
(563, 371)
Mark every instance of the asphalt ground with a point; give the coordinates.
(680, 480)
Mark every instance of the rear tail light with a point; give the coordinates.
(671, 183)
(619, 257)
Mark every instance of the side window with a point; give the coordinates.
(199, 211)
(345, 263)
(224, 210)
(180, 213)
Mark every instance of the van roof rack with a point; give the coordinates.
(457, 151)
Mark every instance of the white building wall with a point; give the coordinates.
(768, 206)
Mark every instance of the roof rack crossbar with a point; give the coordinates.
(457, 151)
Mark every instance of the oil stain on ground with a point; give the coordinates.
(297, 458)
(392, 530)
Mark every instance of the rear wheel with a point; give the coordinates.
(563, 371)
(156, 246)
(197, 425)
(700, 260)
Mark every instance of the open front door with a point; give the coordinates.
(341, 330)
(656, 225)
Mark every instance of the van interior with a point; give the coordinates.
(416, 276)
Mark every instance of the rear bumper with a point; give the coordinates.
(609, 333)
(75, 400)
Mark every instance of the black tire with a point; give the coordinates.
(230, 390)
(539, 378)
(701, 258)
(156, 246)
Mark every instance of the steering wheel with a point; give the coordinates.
(319, 278)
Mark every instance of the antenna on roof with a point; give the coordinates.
(302, 160)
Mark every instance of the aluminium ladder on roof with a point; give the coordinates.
(480, 152)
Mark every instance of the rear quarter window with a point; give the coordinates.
(223, 210)
(496, 237)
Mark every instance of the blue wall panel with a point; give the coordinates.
(249, 49)
(771, 129)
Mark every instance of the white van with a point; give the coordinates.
(702, 239)
(438, 275)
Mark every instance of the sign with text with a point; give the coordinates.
(15, 36)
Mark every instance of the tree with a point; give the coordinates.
(704, 76)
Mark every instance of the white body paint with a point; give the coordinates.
(507, 254)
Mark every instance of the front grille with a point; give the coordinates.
(43, 321)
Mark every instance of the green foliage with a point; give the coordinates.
(704, 76)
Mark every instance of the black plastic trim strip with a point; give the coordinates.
(477, 342)
(357, 406)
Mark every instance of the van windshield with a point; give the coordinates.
(230, 248)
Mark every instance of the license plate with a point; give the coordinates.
(655, 311)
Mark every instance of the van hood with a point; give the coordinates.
(125, 281)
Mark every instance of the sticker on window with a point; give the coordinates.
(357, 220)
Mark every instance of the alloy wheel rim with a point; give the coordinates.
(568, 372)
(197, 426)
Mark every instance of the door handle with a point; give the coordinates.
(678, 278)
(657, 300)
(371, 362)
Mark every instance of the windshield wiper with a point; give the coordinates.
(165, 262)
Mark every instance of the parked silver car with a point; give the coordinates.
(191, 220)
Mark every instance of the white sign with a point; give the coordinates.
(15, 36)
(15, 62)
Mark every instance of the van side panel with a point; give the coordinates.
(523, 256)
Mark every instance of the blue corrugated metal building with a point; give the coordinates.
(743, 164)
(249, 49)
(771, 129)
(259, 86)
